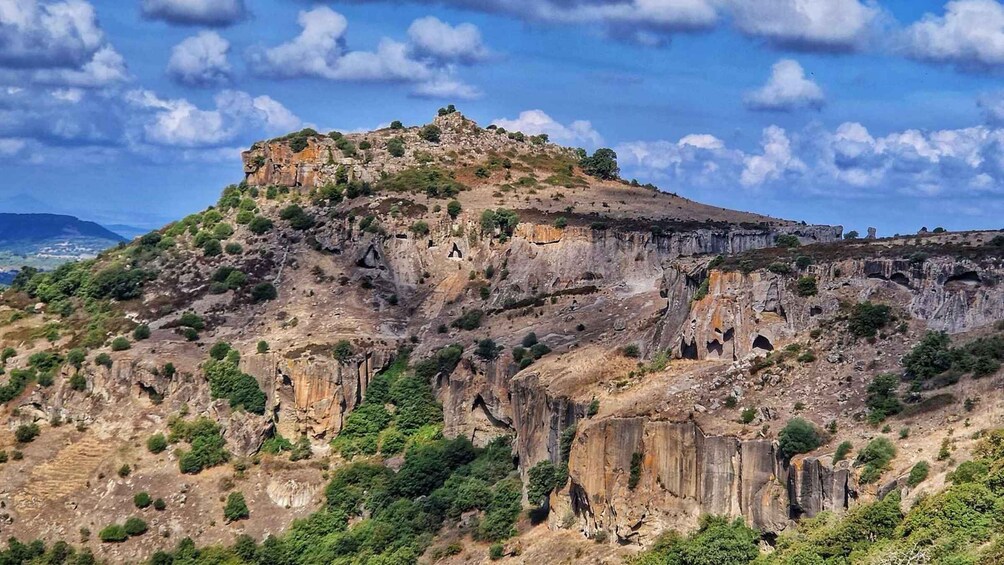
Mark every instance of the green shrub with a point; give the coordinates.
(748, 415)
(226, 380)
(875, 457)
(260, 225)
(26, 433)
(208, 449)
(918, 473)
(786, 240)
(470, 320)
(798, 436)
(453, 208)
(843, 450)
(141, 332)
(343, 351)
(432, 181)
(159, 505)
(542, 480)
(236, 508)
(263, 292)
(430, 133)
(135, 527)
(103, 360)
(78, 382)
(142, 499)
(806, 286)
(496, 551)
(120, 344)
(395, 146)
(594, 408)
(867, 318)
(113, 533)
(420, 228)
(156, 443)
(882, 401)
(634, 475)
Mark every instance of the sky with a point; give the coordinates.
(853, 112)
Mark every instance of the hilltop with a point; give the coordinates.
(409, 338)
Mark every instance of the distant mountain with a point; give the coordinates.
(37, 228)
(128, 232)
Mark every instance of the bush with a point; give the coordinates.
(135, 527)
(868, 318)
(593, 409)
(798, 436)
(395, 147)
(875, 457)
(262, 346)
(260, 225)
(470, 320)
(159, 505)
(120, 344)
(496, 551)
(226, 380)
(430, 133)
(453, 208)
(263, 292)
(634, 477)
(343, 351)
(918, 473)
(420, 228)
(802, 261)
(142, 500)
(141, 332)
(156, 443)
(113, 533)
(297, 217)
(786, 240)
(26, 433)
(236, 508)
(78, 382)
(882, 401)
(103, 360)
(748, 415)
(806, 286)
(843, 450)
(542, 479)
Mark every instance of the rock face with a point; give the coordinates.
(756, 312)
(313, 395)
(684, 474)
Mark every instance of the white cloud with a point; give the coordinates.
(70, 95)
(461, 43)
(970, 35)
(320, 51)
(11, 146)
(56, 44)
(179, 123)
(787, 89)
(200, 60)
(47, 34)
(776, 159)
(812, 25)
(992, 106)
(213, 13)
(534, 122)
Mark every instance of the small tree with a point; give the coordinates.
(542, 480)
(453, 208)
(806, 286)
(798, 436)
(853, 234)
(343, 351)
(430, 133)
(602, 164)
(396, 124)
(236, 508)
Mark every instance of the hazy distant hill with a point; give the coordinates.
(46, 240)
(126, 231)
(34, 228)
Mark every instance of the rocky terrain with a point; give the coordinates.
(650, 347)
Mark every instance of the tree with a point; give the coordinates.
(542, 480)
(343, 351)
(263, 292)
(396, 124)
(236, 508)
(806, 286)
(602, 164)
(430, 133)
(798, 436)
(853, 234)
(219, 350)
(453, 208)
(867, 318)
(395, 147)
(882, 400)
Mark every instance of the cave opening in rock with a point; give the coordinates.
(455, 253)
(729, 334)
(962, 281)
(762, 343)
(900, 278)
(815, 311)
(688, 350)
(715, 348)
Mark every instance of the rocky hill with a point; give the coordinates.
(409, 337)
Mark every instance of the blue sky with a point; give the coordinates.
(852, 112)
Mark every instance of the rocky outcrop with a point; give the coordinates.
(756, 312)
(684, 474)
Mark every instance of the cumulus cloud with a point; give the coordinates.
(212, 13)
(461, 44)
(56, 43)
(787, 89)
(807, 25)
(970, 35)
(320, 51)
(179, 123)
(847, 161)
(200, 60)
(535, 122)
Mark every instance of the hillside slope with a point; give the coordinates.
(448, 325)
